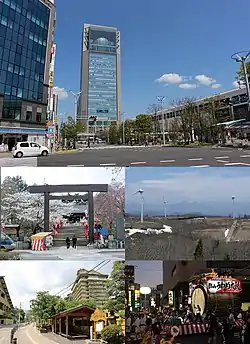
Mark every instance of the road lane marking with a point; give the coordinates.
(75, 165)
(222, 157)
(245, 156)
(195, 159)
(202, 166)
(138, 163)
(223, 161)
(162, 161)
(110, 164)
(236, 164)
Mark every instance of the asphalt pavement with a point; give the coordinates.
(29, 335)
(5, 335)
(79, 254)
(149, 156)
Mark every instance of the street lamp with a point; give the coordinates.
(145, 291)
(76, 97)
(161, 100)
(233, 199)
(140, 192)
(123, 127)
(242, 57)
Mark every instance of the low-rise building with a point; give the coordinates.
(6, 306)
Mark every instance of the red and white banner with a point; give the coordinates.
(189, 328)
(38, 245)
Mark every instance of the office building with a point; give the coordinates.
(90, 285)
(6, 306)
(26, 39)
(100, 78)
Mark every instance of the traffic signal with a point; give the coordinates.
(94, 118)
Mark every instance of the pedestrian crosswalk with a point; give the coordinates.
(11, 162)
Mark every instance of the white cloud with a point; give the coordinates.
(61, 92)
(238, 84)
(216, 85)
(65, 175)
(205, 80)
(24, 280)
(172, 78)
(188, 86)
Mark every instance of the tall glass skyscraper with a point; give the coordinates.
(100, 77)
(26, 37)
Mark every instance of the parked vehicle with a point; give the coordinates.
(28, 148)
(6, 242)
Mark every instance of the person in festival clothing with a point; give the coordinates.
(147, 334)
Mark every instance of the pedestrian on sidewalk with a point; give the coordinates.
(88, 143)
(74, 241)
(67, 242)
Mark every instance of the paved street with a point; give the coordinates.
(150, 156)
(5, 335)
(83, 253)
(29, 335)
(11, 162)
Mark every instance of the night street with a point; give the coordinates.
(149, 156)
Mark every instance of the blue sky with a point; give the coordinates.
(186, 190)
(189, 38)
(148, 273)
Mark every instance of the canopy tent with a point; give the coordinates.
(38, 241)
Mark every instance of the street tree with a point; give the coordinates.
(70, 129)
(116, 289)
(45, 305)
(110, 204)
(144, 126)
(19, 315)
(153, 109)
(113, 134)
(240, 73)
(130, 129)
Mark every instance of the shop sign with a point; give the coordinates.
(224, 285)
(171, 298)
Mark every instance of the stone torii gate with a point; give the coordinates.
(89, 190)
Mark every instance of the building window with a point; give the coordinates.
(38, 117)
(28, 115)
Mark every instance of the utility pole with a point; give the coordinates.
(161, 100)
(123, 127)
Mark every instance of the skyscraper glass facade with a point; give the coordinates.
(24, 26)
(102, 81)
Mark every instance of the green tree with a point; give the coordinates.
(112, 334)
(116, 289)
(45, 305)
(144, 125)
(240, 72)
(19, 315)
(198, 254)
(70, 129)
(113, 133)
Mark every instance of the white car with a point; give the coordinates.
(29, 149)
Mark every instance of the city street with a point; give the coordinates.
(29, 335)
(5, 335)
(11, 162)
(81, 253)
(150, 156)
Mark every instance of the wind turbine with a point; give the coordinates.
(141, 192)
(165, 206)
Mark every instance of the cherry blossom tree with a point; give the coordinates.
(26, 207)
(108, 205)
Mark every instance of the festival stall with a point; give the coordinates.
(40, 241)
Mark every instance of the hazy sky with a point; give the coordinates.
(187, 190)
(25, 278)
(148, 273)
(65, 175)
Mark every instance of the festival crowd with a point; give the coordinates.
(160, 327)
